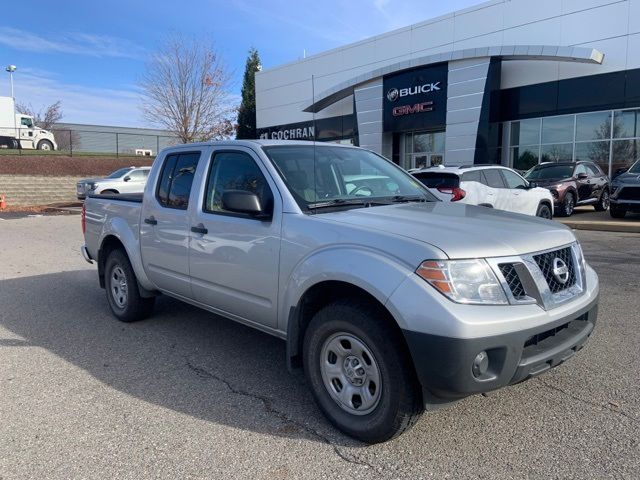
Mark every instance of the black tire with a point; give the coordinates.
(603, 201)
(617, 212)
(399, 403)
(544, 211)
(568, 204)
(45, 145)
(134, 307)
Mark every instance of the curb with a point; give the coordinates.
(622, 227)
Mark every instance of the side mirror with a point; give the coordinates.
(126, 179)
(582, 176)
(243, 201)
(533, 185)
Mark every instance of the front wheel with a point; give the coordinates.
(544, 211)
(45, 145)
(617, 212)
(359, 371)
(121, 285)
(603, 202)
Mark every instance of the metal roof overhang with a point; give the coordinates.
(505, 52)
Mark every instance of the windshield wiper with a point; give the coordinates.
(337, 202)
(366, 201)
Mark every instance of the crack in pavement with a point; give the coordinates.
(268, 406)
(601, 406)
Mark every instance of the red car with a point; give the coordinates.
(572, 184)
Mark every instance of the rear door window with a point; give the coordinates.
(493, 177)
(474, 176)
(174, 187)
(438, 179)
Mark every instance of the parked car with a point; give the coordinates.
(625, 192)
(488, 186)
(391, 301)
(572, 184)
(123, 180)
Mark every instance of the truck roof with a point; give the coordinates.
(262, 143)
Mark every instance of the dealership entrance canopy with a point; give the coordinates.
(477, 86)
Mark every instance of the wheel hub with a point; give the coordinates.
(354, 371)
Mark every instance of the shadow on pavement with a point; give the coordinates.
(182, 358)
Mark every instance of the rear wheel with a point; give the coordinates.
(122, 289)
(544, 211)
(359, 371)
(568, 204)
(603, 201)
(617, 212)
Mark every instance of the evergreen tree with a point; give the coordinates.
(247, 110)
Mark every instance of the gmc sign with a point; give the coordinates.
(409, 109)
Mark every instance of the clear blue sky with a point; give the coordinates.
(90, 54)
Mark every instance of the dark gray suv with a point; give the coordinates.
(625, 192)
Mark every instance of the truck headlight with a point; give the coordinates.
(464, 281)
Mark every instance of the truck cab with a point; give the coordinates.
(18, 130)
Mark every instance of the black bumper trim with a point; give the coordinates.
(444, 364)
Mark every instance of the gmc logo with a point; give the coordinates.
(411, 109)
(395, 93)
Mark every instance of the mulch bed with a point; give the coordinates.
(54, 165)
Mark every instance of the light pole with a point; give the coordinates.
(11, 69)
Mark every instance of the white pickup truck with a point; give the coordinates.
(391, 300)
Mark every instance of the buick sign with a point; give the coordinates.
(394, 94)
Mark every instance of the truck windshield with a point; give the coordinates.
(326, 176)
(119, 173)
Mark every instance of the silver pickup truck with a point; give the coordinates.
(391, 300)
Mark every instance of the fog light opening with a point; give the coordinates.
(480, 365)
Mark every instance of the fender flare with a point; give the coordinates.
(117, 227)
(369, 270)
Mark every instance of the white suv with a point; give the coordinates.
(490, 186)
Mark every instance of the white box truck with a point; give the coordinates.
(19, 131)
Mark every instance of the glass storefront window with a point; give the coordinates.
(525, 132)
(559, 152)
(523, 158)
(558, 129)
(625, 152)
(593, 126)
(626, 124)
(597, 152)
(423, 149)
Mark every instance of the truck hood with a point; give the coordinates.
(461, 231)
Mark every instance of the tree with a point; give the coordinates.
(44, 118)
(247, 110)
(185, 91)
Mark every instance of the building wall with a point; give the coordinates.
(612, 27)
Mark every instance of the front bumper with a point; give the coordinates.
(444, 365)
(627, 205)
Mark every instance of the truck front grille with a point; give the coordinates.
(513, 280)
(547, 263)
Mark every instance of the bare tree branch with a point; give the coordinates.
(185, 91)
(44, 118)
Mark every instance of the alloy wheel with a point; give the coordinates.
(118, 286)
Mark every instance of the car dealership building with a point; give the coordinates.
(515, 82)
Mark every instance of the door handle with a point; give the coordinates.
(200, 228)
(150, 221)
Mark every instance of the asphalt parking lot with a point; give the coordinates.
(187, 394)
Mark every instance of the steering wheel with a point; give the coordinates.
(362, 187)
